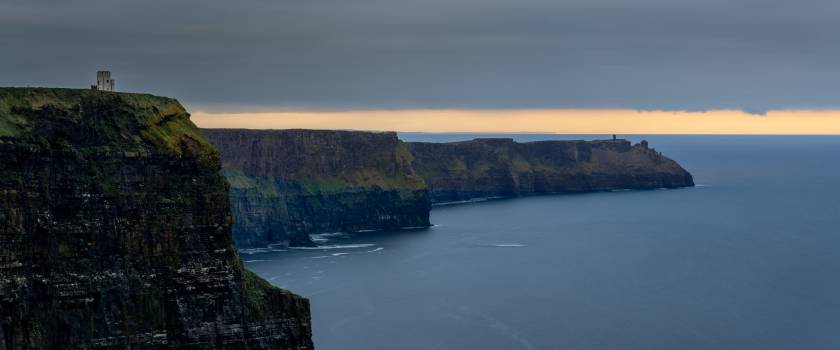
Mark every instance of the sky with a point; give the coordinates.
(274, 60)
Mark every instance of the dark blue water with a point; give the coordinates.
(750, 259)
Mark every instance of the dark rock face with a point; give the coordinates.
(503, 168)
(292, 215)
(287, 184)
(115, 232)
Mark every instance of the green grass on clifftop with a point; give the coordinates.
(97, 120)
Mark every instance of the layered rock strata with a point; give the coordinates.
(500, 167)
(115, 232)
(288, 184)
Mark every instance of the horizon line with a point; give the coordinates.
(619, 136)
(539, 121)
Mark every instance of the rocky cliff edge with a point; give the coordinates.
(115, 232)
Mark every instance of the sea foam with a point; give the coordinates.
(337, 246)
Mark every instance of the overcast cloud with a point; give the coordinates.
(367, 54)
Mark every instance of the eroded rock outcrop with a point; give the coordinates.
(115, 232)
(287, 184)
(482, 168)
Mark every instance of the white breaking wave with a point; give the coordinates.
(337, 246)
(254, 251)
(253, 261)
(473, 200)
(509, 245)
(375, 250)
(339, 254)
(323, 237)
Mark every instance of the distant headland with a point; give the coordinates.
(288, 184)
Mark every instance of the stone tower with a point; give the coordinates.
(104, 81)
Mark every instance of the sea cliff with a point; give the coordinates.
(115, 232)
(500, 167)
(288, 184)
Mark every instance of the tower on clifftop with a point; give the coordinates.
(104, 81)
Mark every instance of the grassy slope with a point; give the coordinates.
(124, 121)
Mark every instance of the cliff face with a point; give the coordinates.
(115, 232)
(287, 184)
(501, 167)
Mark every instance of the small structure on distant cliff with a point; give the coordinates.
(103, 81)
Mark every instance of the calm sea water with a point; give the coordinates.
(749, 259)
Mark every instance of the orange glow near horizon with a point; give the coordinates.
(559, 121)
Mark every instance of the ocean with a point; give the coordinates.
(747, 259)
